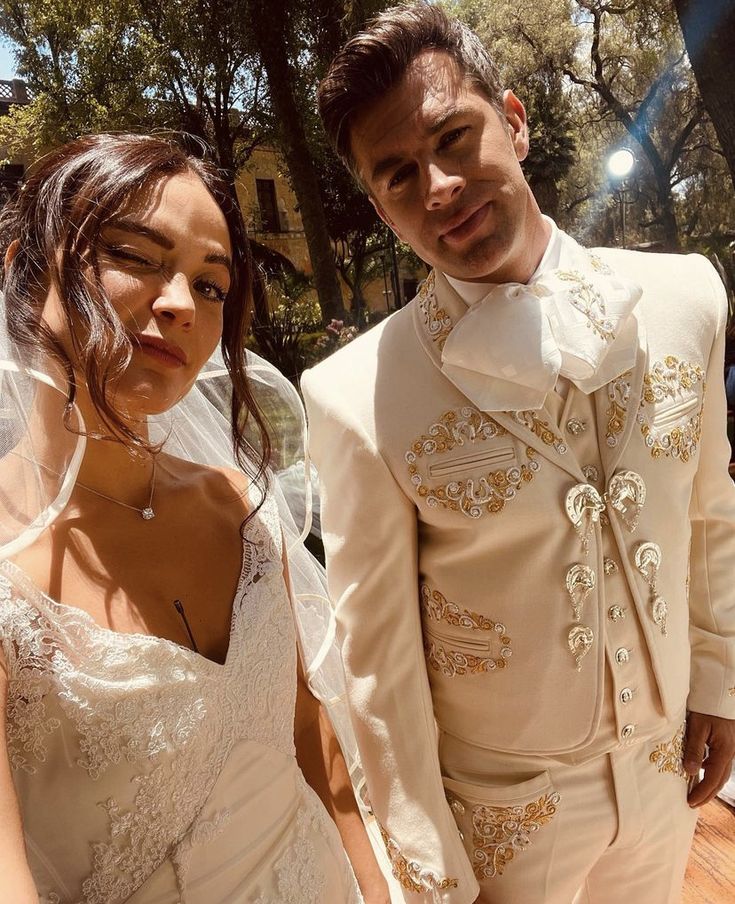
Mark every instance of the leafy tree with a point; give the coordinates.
(709, 33)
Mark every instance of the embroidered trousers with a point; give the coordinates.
(614, 829)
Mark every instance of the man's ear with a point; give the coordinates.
(515, 116)
(384, 217)
(10, 253)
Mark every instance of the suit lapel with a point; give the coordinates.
(438, 307)
(617, 407)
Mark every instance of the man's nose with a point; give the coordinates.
(442, 187)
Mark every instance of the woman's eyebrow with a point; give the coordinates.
(146, 231)
(215, 258)
(160, 239)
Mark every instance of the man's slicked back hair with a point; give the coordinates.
(376, 59)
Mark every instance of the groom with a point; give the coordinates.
(526, 509)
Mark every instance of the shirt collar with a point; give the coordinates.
(472, 292)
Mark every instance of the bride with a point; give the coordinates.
(151, 718)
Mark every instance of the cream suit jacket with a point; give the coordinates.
(448, 543)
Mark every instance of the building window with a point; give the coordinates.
(269, 219)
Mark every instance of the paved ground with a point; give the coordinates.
(710, 876)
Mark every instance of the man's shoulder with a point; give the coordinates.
(356, 364)
(651, 265)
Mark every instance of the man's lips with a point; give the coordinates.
(464, 224)
(166, 352)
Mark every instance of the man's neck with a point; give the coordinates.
(545, 258)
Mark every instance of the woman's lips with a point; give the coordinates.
(467, 227)
(168, 354)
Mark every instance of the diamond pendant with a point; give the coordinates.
(147, 514)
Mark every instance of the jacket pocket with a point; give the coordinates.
(666, 416)
(500, 457)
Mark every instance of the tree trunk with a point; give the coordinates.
(709, 34)
(273, 49)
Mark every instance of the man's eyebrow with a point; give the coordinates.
(145, 231)
(387, 163)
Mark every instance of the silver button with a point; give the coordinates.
(575, 426)
(622, 655)
(457, 807)
(627, 732)
(615, 613)
(610, 565)
(626, 695)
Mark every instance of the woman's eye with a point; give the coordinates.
(127, 254)
(212, 291)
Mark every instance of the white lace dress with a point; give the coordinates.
(151, 775)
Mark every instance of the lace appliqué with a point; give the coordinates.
(499, 833)
(299, 879)
(618, 397)
(453, 662)
(410, 874)
(436, 320)
(671, 379)
(668, 757)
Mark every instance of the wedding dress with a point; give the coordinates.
(149, 774)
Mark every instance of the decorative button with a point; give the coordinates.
(457, 807)
(575, 426)
(611, 566)
(622, 655)
(591, 473)
(626, 695)
(627, 732)
(615, 613)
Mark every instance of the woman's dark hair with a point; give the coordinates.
(376, 59)
(57, 219)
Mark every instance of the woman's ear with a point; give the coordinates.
(10, 253)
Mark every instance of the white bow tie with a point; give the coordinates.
(576, 321)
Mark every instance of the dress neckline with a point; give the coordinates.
(24, 582)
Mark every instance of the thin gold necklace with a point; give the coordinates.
(147, 513)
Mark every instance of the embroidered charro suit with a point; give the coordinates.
(524, 580)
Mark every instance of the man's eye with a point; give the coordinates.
(453, 136)
(212, 291)
(399, 176)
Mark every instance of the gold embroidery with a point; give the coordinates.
(668, 379)
(438, 607)
(542, 429)
(453, 429)
(457, 662)
(589, 302)
(600, 265)
(451, 662)
(618, 395)
(438, 323)
(669, 756)
(473, 496)
(731, 692)
(499, 833)
(411, 876)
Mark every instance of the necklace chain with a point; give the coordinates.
(147, 513)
